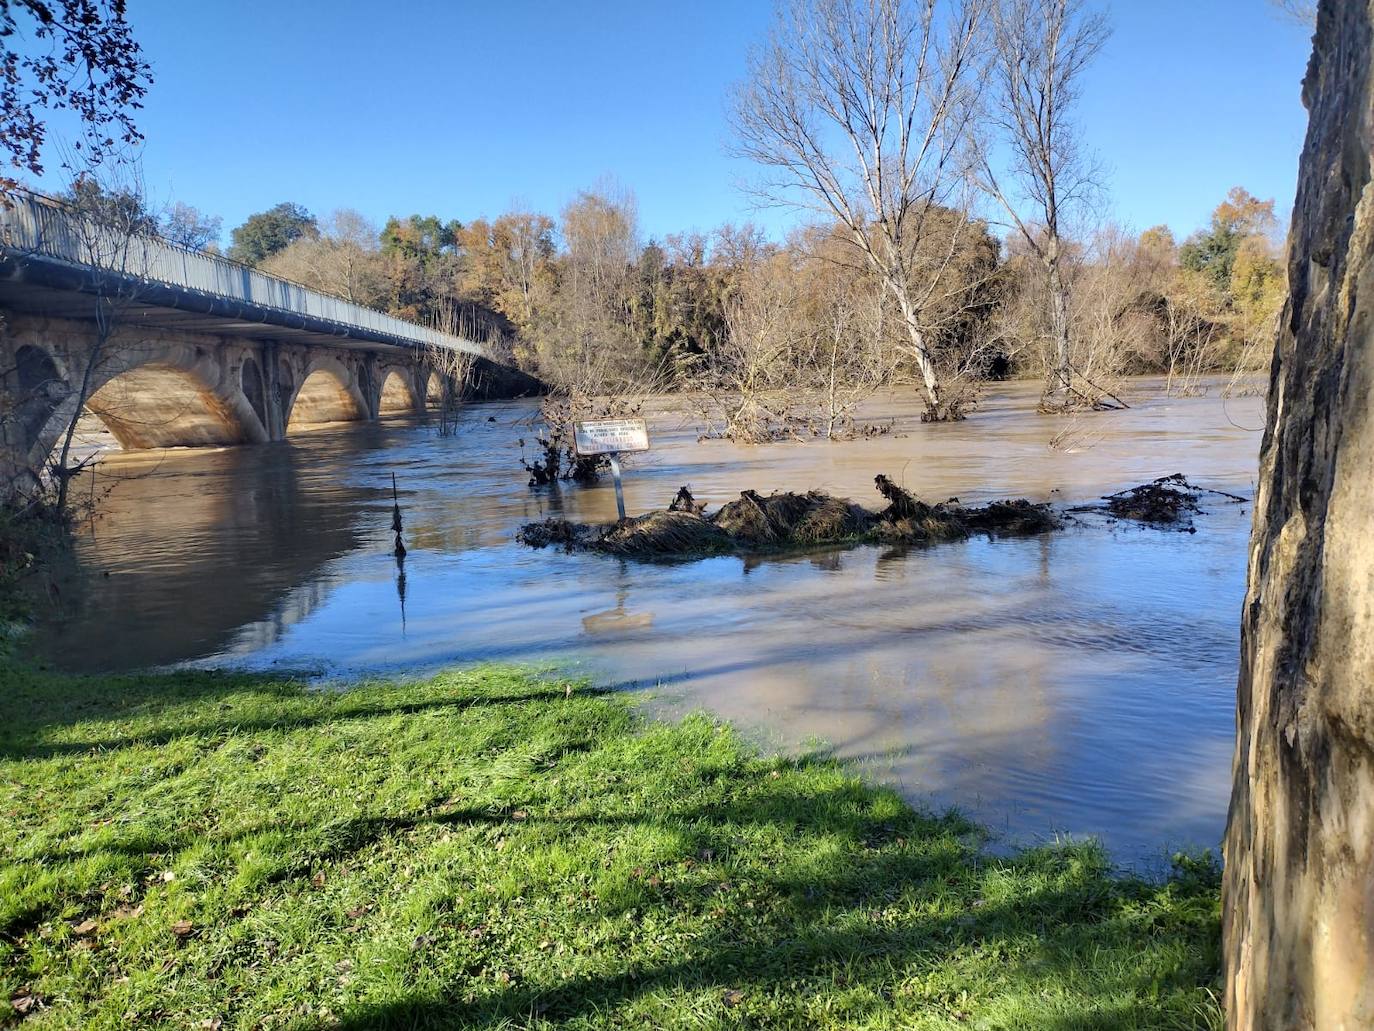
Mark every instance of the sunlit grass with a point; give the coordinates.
(484, 849)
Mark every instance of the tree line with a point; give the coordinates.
(950, 231)
(778, 338)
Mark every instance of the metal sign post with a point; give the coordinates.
(612, 438)
(619, 491)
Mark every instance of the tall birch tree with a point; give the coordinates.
(858, 110)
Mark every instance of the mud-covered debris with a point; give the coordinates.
(788, 521)
(1013, 518)
(902, 504)
(799, 520)
(684, 502)
(664, 533)
(557, 533)
(1169, 500)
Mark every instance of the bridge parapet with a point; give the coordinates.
(54, 243)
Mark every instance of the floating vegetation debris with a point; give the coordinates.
(1170, 501)
(790, 522)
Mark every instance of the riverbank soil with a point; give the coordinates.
(488, 849)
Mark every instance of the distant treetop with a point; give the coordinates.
(270, 231)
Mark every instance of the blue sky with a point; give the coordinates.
(463, 108)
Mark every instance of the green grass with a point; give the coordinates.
(482, 849)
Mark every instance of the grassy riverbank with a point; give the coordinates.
(485, 849)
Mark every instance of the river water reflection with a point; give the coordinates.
(1078, 683)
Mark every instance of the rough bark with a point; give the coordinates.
(1061, 378)
(1299, 889)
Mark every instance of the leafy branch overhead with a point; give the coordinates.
(68, 55)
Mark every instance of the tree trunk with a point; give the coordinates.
(1061, 377)
(1298, 900)
(61, 469)
(924, 362)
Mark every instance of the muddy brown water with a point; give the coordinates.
(1080, 683)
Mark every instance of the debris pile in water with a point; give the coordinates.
(1169, 500)
(788, 521)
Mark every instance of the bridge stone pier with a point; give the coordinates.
(172, 348)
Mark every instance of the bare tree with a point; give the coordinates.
(1303, 12)
(455, 369)
(110, 227)
(585, 346)
(187, 227)
(1041, 49)
(747, 383)
(858, 110)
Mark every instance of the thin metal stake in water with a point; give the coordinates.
(619, 492)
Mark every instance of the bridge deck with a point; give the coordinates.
(52, 262)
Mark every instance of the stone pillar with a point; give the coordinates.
(271, 372)
(1298, 922)
(370, 384)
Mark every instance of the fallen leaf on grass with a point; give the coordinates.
(168, 876)
(211, 1023)
(129, 912)
(356, 912)
(520, 814)
(318, 880)
(24, 1001)
(733, 997)
(183, 928)
(85, 928)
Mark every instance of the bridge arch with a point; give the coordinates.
(398, 393)
(155, 401)
(326, 394)
(41, 389)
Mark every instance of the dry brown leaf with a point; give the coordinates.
(86, 927)
(23, 1001)
(318, 879)
(733, 997)
(211, 1023)
(168, 876)
(183, 928)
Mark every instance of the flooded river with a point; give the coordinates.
(1080, 683)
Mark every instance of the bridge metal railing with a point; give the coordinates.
(33, 225)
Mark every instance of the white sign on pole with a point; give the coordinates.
(610, 436)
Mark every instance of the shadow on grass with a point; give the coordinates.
(32, 707)
(784, 895)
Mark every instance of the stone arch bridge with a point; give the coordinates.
(180, 348)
